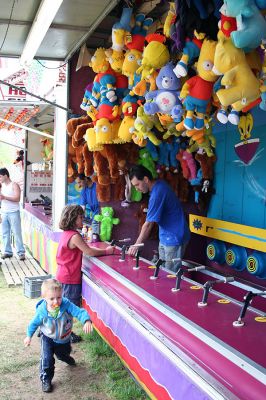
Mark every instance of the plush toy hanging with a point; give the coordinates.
(241, 87)
(165, 100)
(251, 25)
(107, 221)
(197, 91)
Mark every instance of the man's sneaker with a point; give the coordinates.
(75, 338)
(21, 257)
(67, 359)
(5, 255)
(47, 386)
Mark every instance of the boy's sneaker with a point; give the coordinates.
(47, 386)
(75, 338)
(67, 359)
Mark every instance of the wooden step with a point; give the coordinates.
(15, 270)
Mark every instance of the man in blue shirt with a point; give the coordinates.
(165, 209)
(88, 197)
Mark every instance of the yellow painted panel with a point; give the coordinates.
(242, 235)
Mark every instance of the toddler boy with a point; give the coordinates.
(54, 315)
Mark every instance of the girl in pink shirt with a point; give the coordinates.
(69, 255)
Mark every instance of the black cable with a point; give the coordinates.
(8, 25)
(44, 66)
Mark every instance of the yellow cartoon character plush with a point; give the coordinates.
(126, 129)
(242, 88)
(155, 56)
(106, 131)
(115, 59)
(143, 128)
(197, 91)
(131, 63)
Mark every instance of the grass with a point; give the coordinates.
(118, 381)
(99, 375)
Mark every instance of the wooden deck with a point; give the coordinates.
(15, 270)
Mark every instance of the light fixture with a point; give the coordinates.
(40, 26)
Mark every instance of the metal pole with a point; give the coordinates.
(35, 95)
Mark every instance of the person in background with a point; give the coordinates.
(88, 197)
(165, 209)
(69, 255)
(10, 197)
(54, 315)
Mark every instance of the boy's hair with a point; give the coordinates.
(82, 176)
(4, 171)
(139, 172)
(50, 284)
(69, 216)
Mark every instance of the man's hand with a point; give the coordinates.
(132, 251)
(27, 341)
(87, 327)
(2, 197)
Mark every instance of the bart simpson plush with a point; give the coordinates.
(197, 91)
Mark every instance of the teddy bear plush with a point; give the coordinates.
(241, 85)
(165, 100)
(107, 221)
(75, 147)
(206, 164)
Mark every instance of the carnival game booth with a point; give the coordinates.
(192, 335)
(179, 338)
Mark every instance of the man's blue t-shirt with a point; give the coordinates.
(165, 209)
(89, 199)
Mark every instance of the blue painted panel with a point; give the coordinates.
(240, 189)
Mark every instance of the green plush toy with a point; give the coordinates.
(107, 221)
(146, 160)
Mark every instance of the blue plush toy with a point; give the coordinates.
(165, 100)
(251, 25)
(152, 149)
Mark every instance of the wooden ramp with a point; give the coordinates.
(15, 270)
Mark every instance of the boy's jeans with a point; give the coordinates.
(11, 222)
(168, 253)
(47, 361)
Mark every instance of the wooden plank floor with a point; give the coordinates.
(15, 270)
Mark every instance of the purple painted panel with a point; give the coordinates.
(162, 370)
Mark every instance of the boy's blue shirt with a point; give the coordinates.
(60, 328)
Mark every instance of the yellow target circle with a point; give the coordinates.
(252, 264)
(260, 319)
(171, 276)
(195, 287)
(223, 301)
(151, 266)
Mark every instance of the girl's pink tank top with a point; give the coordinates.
(68, 260)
